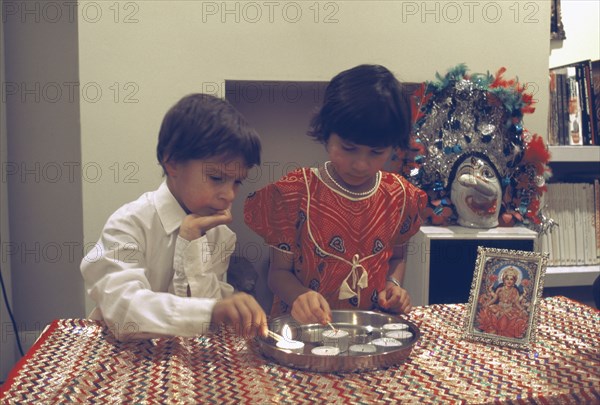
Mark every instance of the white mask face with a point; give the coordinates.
(476, 194)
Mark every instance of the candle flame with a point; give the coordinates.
(286, 332)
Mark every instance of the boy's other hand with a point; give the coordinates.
(242, 312)
(311, 307)
(194, 226)
(395, 299)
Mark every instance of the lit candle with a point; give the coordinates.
(325, 351)
(363, 348)
(386, 342)
(289, 344)
(399, 334)
(338, 338)
(286, 332)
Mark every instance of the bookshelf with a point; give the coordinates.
(575, 154)
(570, 163)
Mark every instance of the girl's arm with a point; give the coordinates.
(398, 263)
(394, 297)
(308, 306)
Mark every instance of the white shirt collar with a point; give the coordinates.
(169, 211)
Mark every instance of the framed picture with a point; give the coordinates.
(503, 306)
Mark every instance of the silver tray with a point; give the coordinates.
(363, 327)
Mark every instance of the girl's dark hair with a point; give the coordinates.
(365, 105)
(201, 126)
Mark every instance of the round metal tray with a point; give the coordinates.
(363, 327)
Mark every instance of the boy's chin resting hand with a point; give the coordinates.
(241, 312)
(194, 226)
(395, 299)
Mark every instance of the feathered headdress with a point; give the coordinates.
(461, 115)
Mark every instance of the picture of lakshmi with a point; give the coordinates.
(503, 307)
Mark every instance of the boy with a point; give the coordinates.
(159, 266)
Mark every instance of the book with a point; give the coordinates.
(586, 130)
(577, 87)
(553, 111)
(590, 222)
(595, 93)
(575, 112)
(562, 107)
(597, 214)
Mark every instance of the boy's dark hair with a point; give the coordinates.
(366, 105)
(200, 126)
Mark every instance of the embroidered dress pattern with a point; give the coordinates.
(345, 243)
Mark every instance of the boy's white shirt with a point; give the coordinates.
(139, 270)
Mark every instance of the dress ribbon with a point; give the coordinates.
(354, 282)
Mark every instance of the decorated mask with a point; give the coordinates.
(471, 154)
(476, 194)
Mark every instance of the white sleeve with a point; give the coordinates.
(202, 264)
(115, 277)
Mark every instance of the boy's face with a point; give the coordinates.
(206, 186)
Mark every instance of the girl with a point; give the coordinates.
(338, 232)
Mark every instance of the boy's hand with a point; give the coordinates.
(194, 226)
(395, 299)
(311, 307)
(243, 313)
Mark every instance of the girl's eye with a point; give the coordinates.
(348, 148)
(216, 179)
(377, 152)
(239, 182)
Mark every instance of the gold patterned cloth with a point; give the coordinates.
(78, 361)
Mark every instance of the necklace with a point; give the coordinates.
(354, 193)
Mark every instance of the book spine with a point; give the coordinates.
(584, 104)
(597, 214)
(594, 81)
(565, 109)
(574, 108)
(553, 112)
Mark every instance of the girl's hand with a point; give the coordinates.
(394, 298)
(311, 307)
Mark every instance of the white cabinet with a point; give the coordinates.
(441, 260)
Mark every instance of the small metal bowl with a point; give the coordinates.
(363, 327)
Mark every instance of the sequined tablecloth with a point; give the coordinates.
(78, 361)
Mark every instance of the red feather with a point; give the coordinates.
(536, 152)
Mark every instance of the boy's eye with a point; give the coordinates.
(216, 178)
(239, 182)
(348, 147)
(377, 151)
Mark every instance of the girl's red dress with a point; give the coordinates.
(333, 238)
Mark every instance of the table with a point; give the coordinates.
(79, 361)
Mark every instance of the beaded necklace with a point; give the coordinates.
(354, 193)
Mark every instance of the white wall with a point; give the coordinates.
(581, 20)
(159, 51)
(7, 341)
(41, 187)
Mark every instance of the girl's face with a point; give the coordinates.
(356, 164)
